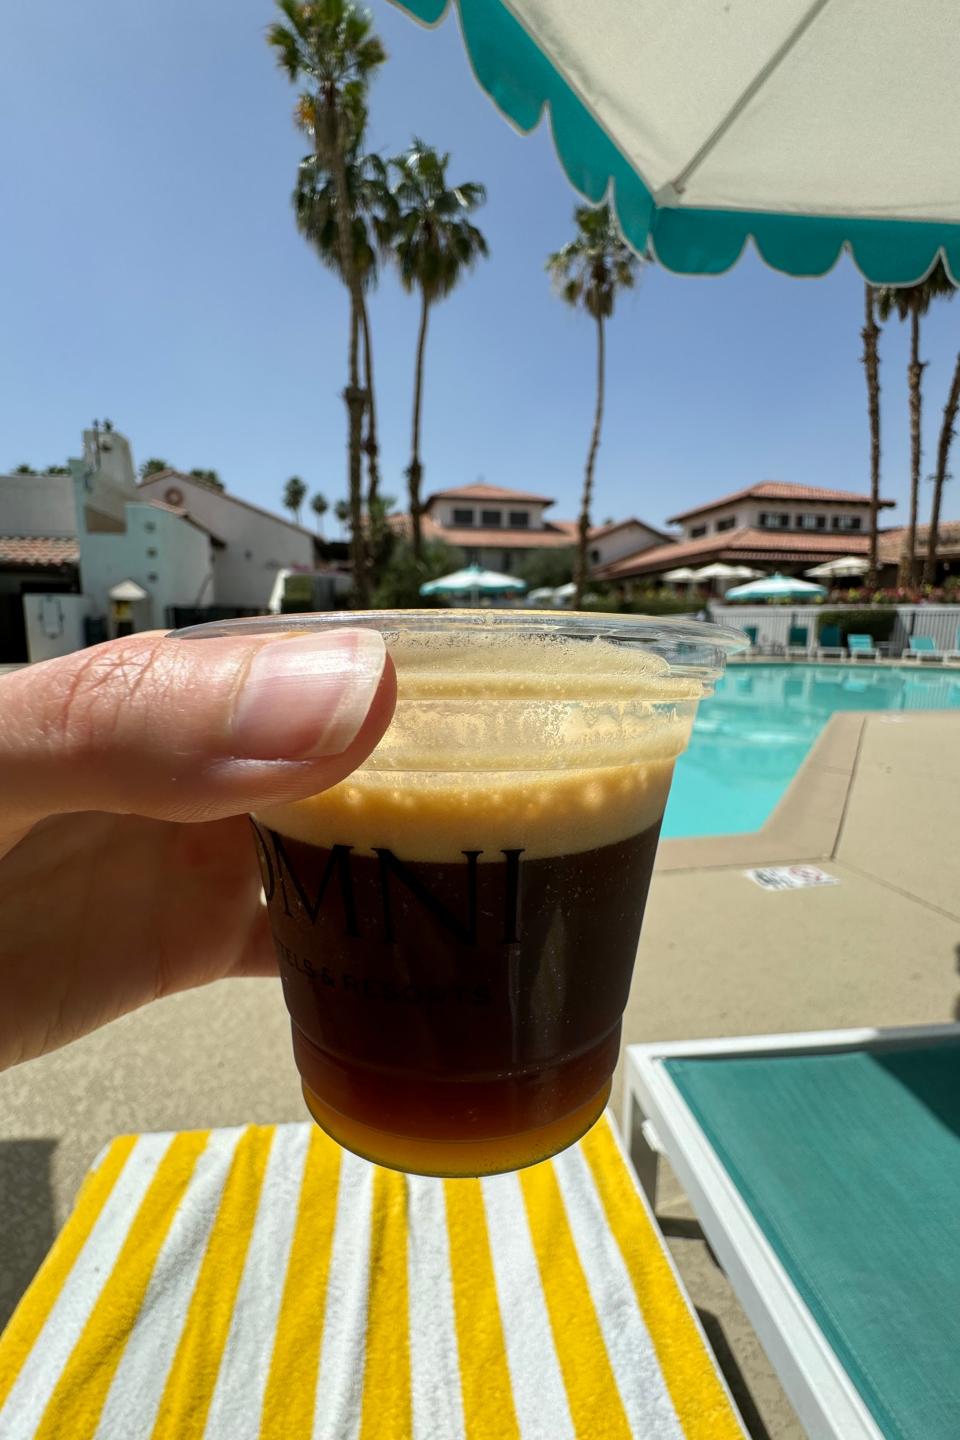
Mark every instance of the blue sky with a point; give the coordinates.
(151, 272)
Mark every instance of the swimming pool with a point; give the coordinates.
(752, 736)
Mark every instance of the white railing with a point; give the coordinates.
(773, 623)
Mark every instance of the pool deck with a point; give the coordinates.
(875, 804)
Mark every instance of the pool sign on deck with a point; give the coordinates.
(790, 877)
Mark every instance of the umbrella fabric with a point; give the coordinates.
(684, 573)
(719, 571)
(845, 565)
(474, 578)
(775, 587)
(805, 126)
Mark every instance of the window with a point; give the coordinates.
(149, 525)
(727, 524)
(463, 517)
(774, 520)
(152, 551)
(595, 557)
(811, 522)
(519, 519)
(848, 522)
(507, 561)
(696, 531)
(472, 554)
(491, 518)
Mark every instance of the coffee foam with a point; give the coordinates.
(541, 743)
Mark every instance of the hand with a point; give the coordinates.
(127, 865)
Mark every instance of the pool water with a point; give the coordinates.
(754, 733)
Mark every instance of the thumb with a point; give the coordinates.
(190, 729)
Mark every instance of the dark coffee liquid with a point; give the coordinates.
(462, 1003)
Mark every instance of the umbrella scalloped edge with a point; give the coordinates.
(524, 84)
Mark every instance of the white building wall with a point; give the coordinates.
(627, 540)
(747, 515)
(442, 512)
(54, 624)
(37, 505)
(163, 553)
(257, 544)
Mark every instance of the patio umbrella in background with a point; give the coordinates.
(806, 126)
(776, 587)
(719, 571)
(843, 565)
(475, 583)
(681, 575)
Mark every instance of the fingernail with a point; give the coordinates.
(308, 696)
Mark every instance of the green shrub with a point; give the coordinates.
(399, 585)
(649, 602)
(875, 622)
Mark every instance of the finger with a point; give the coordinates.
(190, 729)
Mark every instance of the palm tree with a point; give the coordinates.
(435, 243)
(871, 364)
(319, 505)
(589, 272)
(941, 474)
(343, 513)
(294, 494)
(329, 45)
(153, 466)
(371, 211)
(912, 302)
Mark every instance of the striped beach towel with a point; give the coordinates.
(260, 1283)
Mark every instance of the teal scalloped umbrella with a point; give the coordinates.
(776, 587)
(809, 126)
(475, 582)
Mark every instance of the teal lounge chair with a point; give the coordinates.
(862, 646)
(824, 1170)
(922, 648)
(798, 641)
(830, 646)
(954, 654)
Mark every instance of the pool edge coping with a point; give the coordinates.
(807, 822)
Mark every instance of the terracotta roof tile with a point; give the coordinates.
(482, 491)
(778, 490)
(770, 546)
(890, 542)
(45, 550)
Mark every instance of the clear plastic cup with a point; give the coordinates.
(456, 923)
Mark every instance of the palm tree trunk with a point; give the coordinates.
(583, 528)
(908, 558)
(353, 395)
(370, 444)
(415, 469)
(871, 364)
(940, 478)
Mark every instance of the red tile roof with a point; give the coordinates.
(779, 490)
(46, 550)
(772, 547)
(558, 533)
(482, 491)
(890, 542)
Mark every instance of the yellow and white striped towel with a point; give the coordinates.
(261, 1283)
